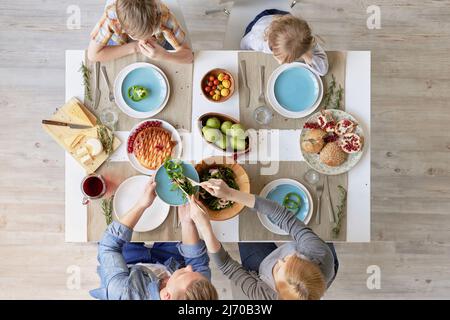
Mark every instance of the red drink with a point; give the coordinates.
(93, 187)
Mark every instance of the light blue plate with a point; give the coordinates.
(164, 185)
(277, 194)
(296, 89)
(151, 79)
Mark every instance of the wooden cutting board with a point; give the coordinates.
(71, 139)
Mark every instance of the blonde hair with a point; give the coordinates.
(304, 280)
(201, 290)
(139, 18)
(289, 38)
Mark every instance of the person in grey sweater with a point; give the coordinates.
(302, 269)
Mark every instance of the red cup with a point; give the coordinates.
(93, 186)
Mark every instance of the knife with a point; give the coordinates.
(97, 82)
(64, 124)
(105, 77)
(245, 88)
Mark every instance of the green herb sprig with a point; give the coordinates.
(106, 137)
(330, 92)
(174, 169)
(107, 207)
(339, 211)
(333, 97)
(86, 80)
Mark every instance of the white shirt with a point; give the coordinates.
(254, 40)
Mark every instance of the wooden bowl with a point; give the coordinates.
(241, 179)
(215, 73)
(222, 117)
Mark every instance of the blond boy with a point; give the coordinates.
(145, 26)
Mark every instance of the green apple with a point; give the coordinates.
(237, 131)
(226, 126)
(222, 143)
(212, 135)
(213, 123)
(237, 144)
(204, 129)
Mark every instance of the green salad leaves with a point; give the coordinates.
(138, 93)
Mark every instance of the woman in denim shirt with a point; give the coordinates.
(130, 271)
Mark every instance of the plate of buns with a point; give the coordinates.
(332, 142)
(150, 143)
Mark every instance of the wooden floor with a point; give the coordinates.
(410, 144)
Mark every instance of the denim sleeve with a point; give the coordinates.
(114, 268)
(196, 255)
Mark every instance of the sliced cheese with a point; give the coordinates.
(94, 146)
(82, 151)
(78, 116)
(86, 160)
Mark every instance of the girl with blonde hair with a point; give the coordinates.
(301, 269)
(287, 37)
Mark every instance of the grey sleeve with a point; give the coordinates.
(287, 221)
(319, 60)
(250, 284)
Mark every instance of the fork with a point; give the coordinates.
(261, 98)
(105, 77)
(319, 191)
(189, 200)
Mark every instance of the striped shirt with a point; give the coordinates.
(109, 28)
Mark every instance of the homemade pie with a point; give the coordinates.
(153, 146)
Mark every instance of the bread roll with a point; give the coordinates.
(313, 141)
(332, 155)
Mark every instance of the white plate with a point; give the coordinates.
(272, 185)
(271, 91)
(118, 91)
(313, 159)
(128, 193)
(176, 152)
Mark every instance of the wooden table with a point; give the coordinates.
(245, 227)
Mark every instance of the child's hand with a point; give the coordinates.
(218, 188)
(308, 57)
(200, 219)
(149, 194)
(152, 49)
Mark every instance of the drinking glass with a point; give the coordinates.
(263, 115)
(109, 117)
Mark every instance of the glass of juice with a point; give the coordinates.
(93, 186)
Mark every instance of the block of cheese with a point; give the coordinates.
(82, 151)
(94, 146)
(87, 159)
(78, 116)
(73, 140)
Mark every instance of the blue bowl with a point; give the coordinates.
(277, 194)
(296, 89)
(164, 185)
(151, 79)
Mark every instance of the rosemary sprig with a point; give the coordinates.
(339, 211)
(86, 80)
(107, 206)
(338, 98)
(330, 92)
(106, 137)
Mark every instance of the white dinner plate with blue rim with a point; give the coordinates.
(276, 191)
(294, 90)
(126, 196)
(146, 75)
